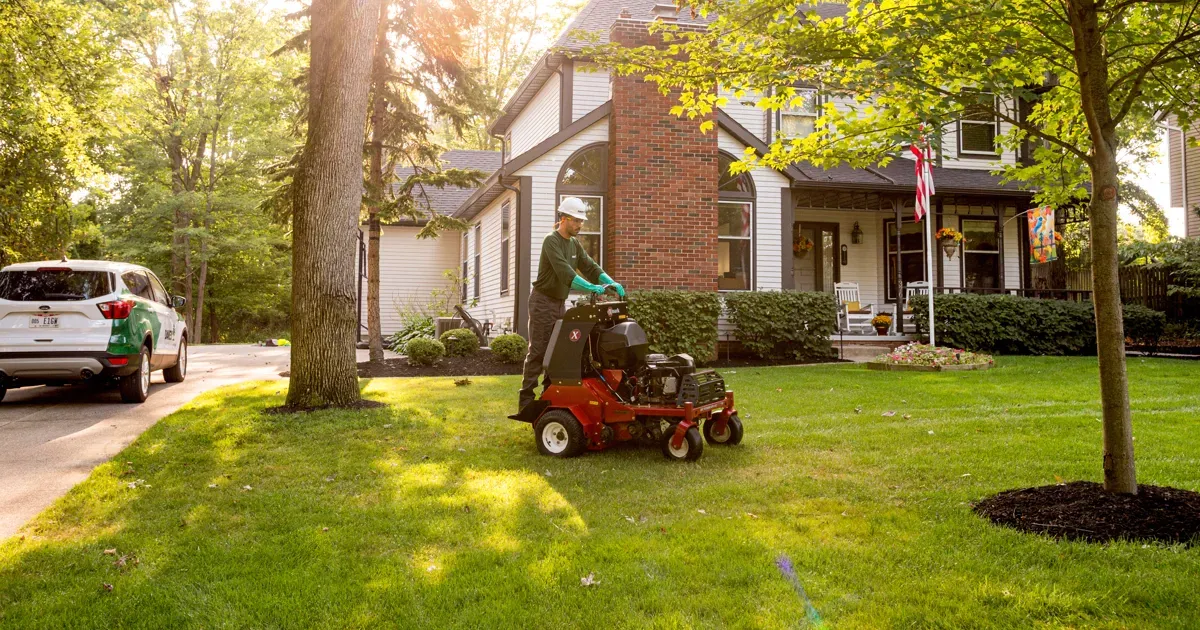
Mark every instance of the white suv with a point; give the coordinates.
(88, 320)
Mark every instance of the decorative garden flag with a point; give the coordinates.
(1041, 235)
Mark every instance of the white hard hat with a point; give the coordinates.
(573, 207)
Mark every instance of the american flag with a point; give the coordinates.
(924, 179)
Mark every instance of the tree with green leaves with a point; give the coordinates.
(56, 76)
(1080, 80)
(202, 107)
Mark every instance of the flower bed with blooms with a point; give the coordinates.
(923, 354)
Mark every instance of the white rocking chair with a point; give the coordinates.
(913, 290)
(849, 319)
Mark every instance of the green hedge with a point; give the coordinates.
(1007, 324)
(460, 342)
(778, 324)
(678, 321)
(510, 348)
(425, 351)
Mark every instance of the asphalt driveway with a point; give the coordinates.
(52, 437)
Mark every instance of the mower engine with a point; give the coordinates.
(606, 388)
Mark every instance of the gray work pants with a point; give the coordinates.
(543, 312)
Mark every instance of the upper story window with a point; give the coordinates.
(735, 228)
(585, 175)
(978, 127)
(801, 120)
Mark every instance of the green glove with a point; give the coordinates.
(583, 285)
(607, 279)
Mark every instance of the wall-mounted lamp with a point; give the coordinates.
(855, 235)
(844, 256)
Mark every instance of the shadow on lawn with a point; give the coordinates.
(413, 515)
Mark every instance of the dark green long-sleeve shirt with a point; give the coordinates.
(557, 266)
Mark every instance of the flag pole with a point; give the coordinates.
(929, 261)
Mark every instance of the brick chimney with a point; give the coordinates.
(662, 217)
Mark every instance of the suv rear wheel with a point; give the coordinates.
(135, 388)
(177, 372)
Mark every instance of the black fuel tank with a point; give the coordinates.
(623, 346)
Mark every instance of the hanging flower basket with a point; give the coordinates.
(801, 247)
(949, 239)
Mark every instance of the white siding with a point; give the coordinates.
(539, 119)
(409, 270)
(591, 89)
(1011, 254)
(494, 307)
(544, 172)
(864, 262)
(768, 246)
(746, 112)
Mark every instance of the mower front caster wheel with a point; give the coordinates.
(559, 434)
(691, 449)
(730, 436)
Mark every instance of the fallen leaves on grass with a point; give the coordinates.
(106, 586)
(888, 414)
(462, 382)
(589, 580)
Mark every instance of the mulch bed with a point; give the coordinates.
(482, 364)
(284, 409)
(1082, 510)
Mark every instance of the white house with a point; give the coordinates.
(667, 214)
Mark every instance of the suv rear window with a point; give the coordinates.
(54, 285)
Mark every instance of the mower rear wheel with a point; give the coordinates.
(691, 449)
(559, 434)
(732, 434)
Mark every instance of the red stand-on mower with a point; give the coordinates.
(604, 388)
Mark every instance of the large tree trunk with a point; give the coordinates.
(379, 71)
(1119, 472)
(327, 193)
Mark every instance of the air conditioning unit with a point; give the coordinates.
(442, 324)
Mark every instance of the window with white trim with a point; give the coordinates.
(505, 212)
(735, 228)
(465, 266)
(478, 257)
(585, 175)
(978, 127)
(800, 120)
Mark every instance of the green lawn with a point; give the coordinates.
(438, 512)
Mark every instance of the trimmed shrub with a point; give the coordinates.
(780, 324)
(1007, 324)
(510, 348)
(678, 321)
(1143, 325)
(460, 342)
(424, 351)
(413, 327)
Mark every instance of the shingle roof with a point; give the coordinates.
(447, 200)
(900, 174)
(599, 15)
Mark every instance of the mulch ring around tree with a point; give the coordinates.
(482, 364)
(285, 409)
(1082, 510)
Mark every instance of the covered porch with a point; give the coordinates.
(867, 241)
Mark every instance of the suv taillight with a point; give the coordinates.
(117, 309)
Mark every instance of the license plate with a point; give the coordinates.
(43, 321)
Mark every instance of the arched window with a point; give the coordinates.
(585, 175)
(735, 227)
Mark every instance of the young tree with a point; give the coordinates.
(1079, 79)
(416, 75)
(327, 191)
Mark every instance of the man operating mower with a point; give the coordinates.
(562, 267)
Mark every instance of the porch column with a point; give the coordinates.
(898, 206)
